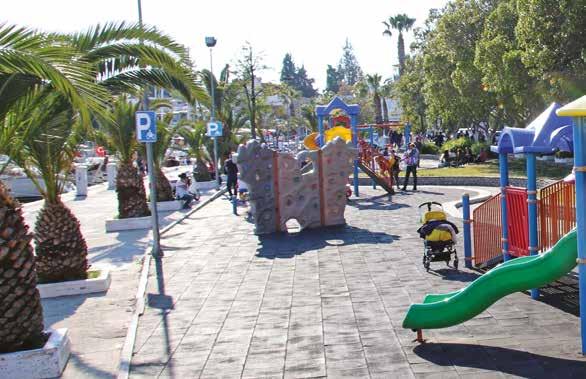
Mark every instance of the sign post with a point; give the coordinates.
(146, 132)
(215, 131)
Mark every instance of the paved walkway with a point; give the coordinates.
(98, 323)
(329, 303)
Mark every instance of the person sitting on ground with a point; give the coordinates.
(182, 191)
(468, 156)
(459, 157)
(482, 156)
(445, 159)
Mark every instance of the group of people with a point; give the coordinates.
(411, 161)
(460, 157)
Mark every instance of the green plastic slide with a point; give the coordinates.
(520, 274)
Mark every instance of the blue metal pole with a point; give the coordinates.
(532, 210)
(504, 182)
(407, 134)
(320, 130)
(372, 158)
(355, 144)
(580, 162)
(467, 235)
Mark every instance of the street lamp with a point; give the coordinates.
(211, 42)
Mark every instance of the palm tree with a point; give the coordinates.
(128, 58)
(21, 324)
(374, 86)
(52, 129)
(193, 134)
(29, 61)
(385, 92)
(309, 117)
(400, 22)
(119, 135)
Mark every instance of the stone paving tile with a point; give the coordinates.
(330, 303)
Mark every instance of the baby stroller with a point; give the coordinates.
(439, 235)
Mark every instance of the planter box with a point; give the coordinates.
(134, 223)
(168, 206)
(564, 160)
(206, 186)
(76, 287)
(46, 362)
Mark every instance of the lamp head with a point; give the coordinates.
(211, 41)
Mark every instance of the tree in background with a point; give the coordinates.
(400, 22)
(348, 68)
(552, 35)
(332, 80)
(249, 65)
(374, 88)
(297, 77)
(289, 71)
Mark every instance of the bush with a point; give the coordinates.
(564, 154)
(429, 148)
(459, 143)
(476, 147)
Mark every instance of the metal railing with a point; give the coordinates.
(557, 212)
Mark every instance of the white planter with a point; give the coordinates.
(134, 223)
(206, 186)
(76, 287)
(46, 362)
(168, 206)
(564, 160)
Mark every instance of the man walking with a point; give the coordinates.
(231, 171)
(411, 158)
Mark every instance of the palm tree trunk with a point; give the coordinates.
(377, 109)
(164, 190)
(21, 314)
(60, 247)
(385, 110)
(401, 53)
(132, 200)
(202, 171)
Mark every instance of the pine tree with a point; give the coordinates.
(304, 84)
(348, 68)
(332, 79)
(289, 71)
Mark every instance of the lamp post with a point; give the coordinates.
(156, 252)
(211, 42)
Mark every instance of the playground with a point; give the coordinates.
(347, 293)
(331, 302)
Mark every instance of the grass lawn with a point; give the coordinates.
(517, 169)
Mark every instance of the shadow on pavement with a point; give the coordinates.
(562, 294)
(499, 359)
(376, 203)
(285, 245)
(452, 274)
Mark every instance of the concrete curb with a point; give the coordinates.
(452, 207)
(127, 349)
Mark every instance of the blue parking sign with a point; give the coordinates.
(214, 129)
(146, 126)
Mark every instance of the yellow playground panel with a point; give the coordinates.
(338, 131)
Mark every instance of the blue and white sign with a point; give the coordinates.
(214, 129)
(146, 126)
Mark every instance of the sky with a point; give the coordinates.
(314, 31)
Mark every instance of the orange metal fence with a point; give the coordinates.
(518, 221)
(557, 212)
(556, 206)
(487, 231)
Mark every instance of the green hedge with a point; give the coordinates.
(429, 148)
(480, 145)
(459, 143)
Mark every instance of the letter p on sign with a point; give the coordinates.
(146, 126)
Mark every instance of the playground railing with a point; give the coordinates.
(557, 212)
(517, 220)
(487, 231)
